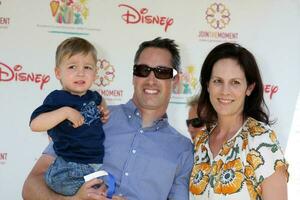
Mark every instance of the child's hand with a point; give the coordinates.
(75, 117)
(104, 114)
(104, 111)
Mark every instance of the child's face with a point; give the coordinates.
(77, 73)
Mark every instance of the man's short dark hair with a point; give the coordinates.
(165, 43)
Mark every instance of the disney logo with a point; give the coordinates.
(271, 89)
(15, 73)
(133, 16)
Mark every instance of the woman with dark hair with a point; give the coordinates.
(238, 156)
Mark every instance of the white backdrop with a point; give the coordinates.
(31, 30)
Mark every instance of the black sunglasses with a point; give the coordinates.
(195, 122)
(160, 72)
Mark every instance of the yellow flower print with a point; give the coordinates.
(216, 167)
(227, 147)
(255, 128)
(254, 191)
(244, 136)
(199, 178)
(230, 179)
(203, 149)
(273, 137)
(254, 159)
(279, 164)
(199, 140)
(249, 171)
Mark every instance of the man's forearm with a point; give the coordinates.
(35, 187)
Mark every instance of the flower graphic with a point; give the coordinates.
(218, 16)
(199, 178)
(230, 178)
(106, 73)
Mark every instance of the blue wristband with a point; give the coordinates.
(110, 182)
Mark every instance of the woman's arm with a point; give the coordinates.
(275, 186)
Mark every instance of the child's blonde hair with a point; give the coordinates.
(73, 46)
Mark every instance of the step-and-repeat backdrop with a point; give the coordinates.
(31, 30)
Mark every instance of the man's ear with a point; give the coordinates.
(176, 77)
(250, 88)
(133, 79)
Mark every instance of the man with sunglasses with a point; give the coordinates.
(194, 123)
(147, 156)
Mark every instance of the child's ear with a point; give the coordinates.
(96, 73)
(57, 73)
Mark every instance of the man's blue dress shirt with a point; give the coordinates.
(152, 163)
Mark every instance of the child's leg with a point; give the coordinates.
(66, 177)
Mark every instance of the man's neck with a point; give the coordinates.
(150, 116)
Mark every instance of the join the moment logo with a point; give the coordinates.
(105, 77)
(4, 20)
(106, 73)
(69, 11)
(3, 157)
(218, 17)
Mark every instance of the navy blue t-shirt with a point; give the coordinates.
(83, 144)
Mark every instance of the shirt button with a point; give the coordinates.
(126, 173)
(129, 116)
(137, 114)
(133, 151)
(141, 131)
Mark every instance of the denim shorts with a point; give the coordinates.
(67, 177)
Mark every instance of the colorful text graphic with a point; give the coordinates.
(69, 11)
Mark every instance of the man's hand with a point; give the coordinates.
(118, 198)
(88, 192)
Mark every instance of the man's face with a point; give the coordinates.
(151, 93)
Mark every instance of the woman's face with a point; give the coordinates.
(228, 88)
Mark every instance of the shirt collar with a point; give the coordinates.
(132, 111)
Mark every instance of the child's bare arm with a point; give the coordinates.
(48, 120)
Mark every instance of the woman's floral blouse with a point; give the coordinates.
(237, 172)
